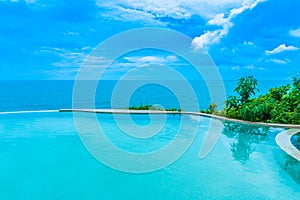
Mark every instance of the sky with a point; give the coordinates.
(49, 39)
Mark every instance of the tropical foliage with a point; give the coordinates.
(153, 107)
(279, 105)
(143, 107)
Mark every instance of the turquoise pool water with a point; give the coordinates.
(42, 157)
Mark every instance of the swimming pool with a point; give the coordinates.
(42, 157)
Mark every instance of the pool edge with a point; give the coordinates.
(283, 140)
(126, 111)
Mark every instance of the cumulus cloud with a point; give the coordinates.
(147, 11)
(218, 20)
(152, 10)
(281, 48)
(214, 37)
(295, 33)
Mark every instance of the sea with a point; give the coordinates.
(30, 95)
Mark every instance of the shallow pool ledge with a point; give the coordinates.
(283, 139)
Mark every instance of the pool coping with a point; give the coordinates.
(28, 111)
(126, 111)
(283, 140)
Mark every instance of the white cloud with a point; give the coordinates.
(86, 48)
(68, 58)
(151, 10)
(26, 1)
(235, 68)
(71, 61)
(209, 38)
(281, 48)
(250, 67)
(295, 33)
(30, 1)
(249, 43)
(277, 61)
(159, 8)
(172, 58)
(218, 20)
(129, 14)
(214, 37)
(70, 33)
(151, 59)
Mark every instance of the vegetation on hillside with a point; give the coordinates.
(152, 107)
(279, 105)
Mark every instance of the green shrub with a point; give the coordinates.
(280, 105)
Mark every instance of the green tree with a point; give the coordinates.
(212, 109)
(279, 105)
(232, 102)
(247, 86)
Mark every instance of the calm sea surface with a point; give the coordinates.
(45, 95)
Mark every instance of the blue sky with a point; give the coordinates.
(49, 39)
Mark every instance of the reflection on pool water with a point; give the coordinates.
(42, 157)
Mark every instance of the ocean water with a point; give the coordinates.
(47, 95)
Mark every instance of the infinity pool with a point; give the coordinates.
(43, 157)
